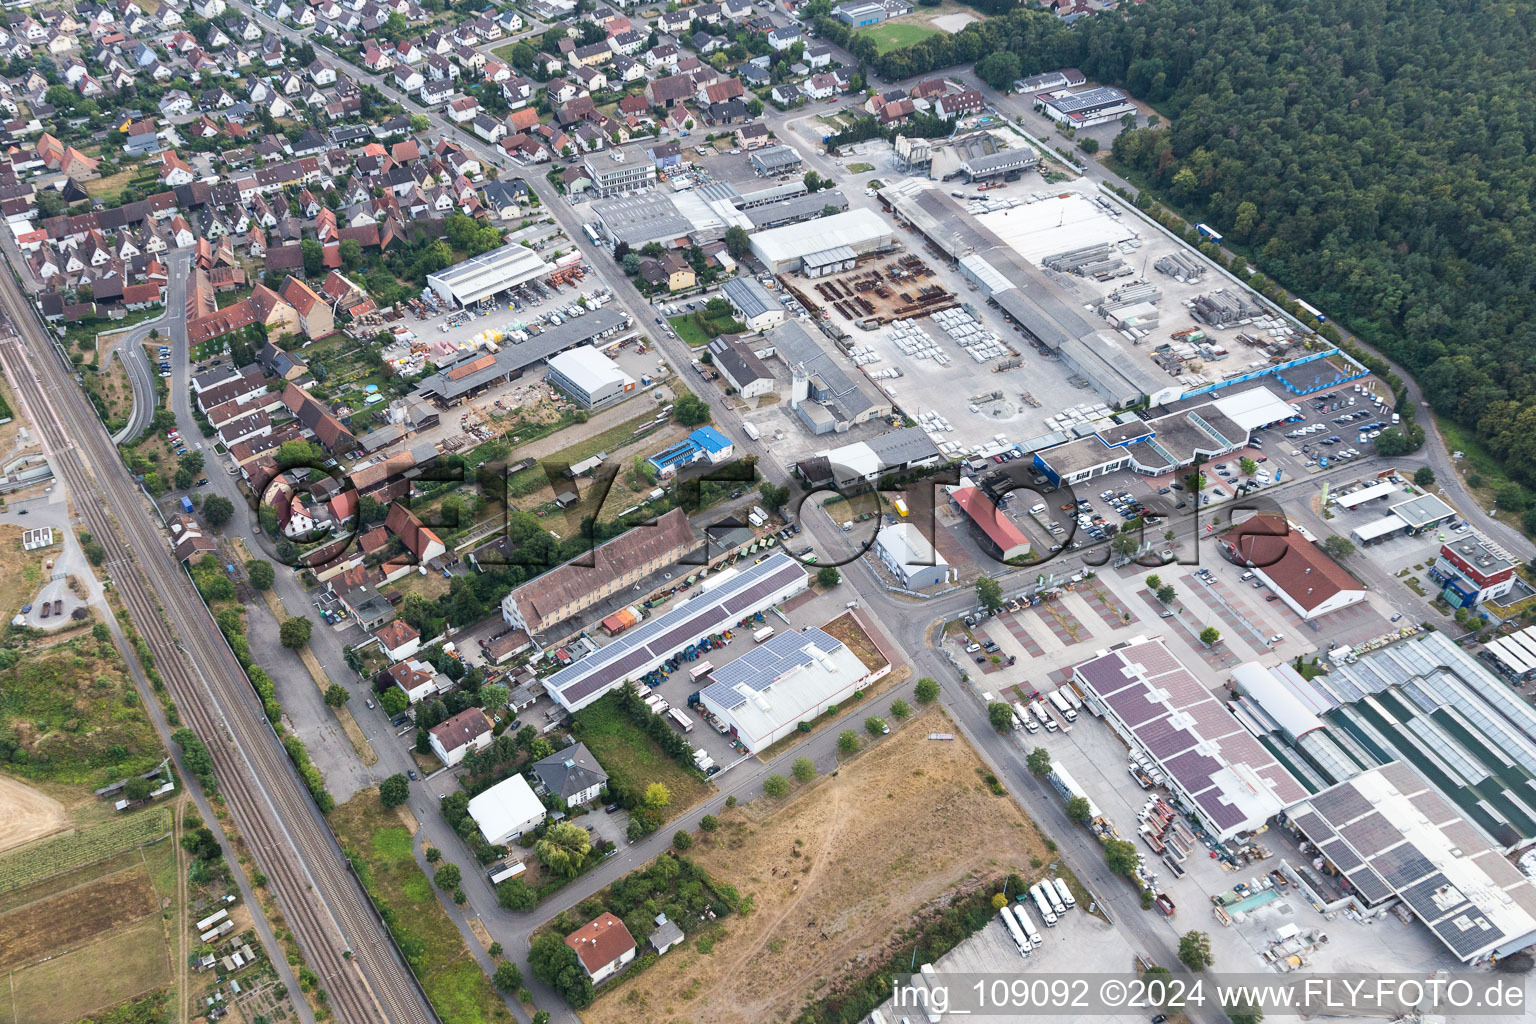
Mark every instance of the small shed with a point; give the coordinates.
(666, 935)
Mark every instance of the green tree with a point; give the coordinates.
(137, 788)
(657, 796)
(564, 848)
(1210, 636)
(804, 769)
(314, 257)
(448, 877)
(217, 510)
(847, 742)
(556, 964)
(926, 691)
(1195, 950)
(1000, 715)
(1154, 583)
(681, 840)
(1120, 856)
(1125, 543)
(828, 577)
(394, 701)
(260, 573)
(294, 633)
(630, 263)
(989, 593)
(1337, 546)
(494, 696)
(875, 726)
(516, 895)
(1166, 594)
(690, 410)
(775, 786)
(1424, 476)
(394, 790)
(336, 695)
(709, 823)
(1079, 810)
(900, 709)
(507, 977)
(737, 242)
(1038, 762)
(999, 70)
(775, 496)
(1247, 466)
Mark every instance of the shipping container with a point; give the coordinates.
(681, 720)
(703, 668)
(751, 431)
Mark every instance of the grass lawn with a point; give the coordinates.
(689, 330)
(129, 961)
(631, 756)
(379, 846)
(860, 168)
(76, 713)
(895, 35)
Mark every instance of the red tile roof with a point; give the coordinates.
(1292, 563)
(998, 528)
(600, 942)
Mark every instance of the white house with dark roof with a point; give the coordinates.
(572, 774)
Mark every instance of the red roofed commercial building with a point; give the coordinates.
(1473, 569)
(603, 945)
(1003, 538)
(1299, 572)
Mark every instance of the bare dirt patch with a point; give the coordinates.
(68, 919)
(26, 814)
(834, 872)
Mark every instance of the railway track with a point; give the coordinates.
(325, 908)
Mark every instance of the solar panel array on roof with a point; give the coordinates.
(1369, 884)
(1233, 780)
(1338, 851)
(1467, 933)
(760, 667)
(644, 647)
(1342, 803)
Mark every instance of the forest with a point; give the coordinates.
(1375, 157)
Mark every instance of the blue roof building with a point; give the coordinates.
(704, 443)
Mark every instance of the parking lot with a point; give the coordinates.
(1077, 944)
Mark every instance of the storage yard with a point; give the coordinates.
(825, 894)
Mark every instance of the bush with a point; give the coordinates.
(847, 742)
(709, 823)
(507, 977)
(395, 791)
(776, 785)
(682, 840)
(448, 877)
(804, 769)
(927, 690)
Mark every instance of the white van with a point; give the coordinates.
(1036, 510)
(1245, 577)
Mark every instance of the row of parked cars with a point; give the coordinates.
(165, 361)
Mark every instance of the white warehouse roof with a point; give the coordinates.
(1254, 408)
(908, 548)
(860, 230)
(588, 368)
(505, 807)
(482, 276)
(1267, 687)
(787, 680)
